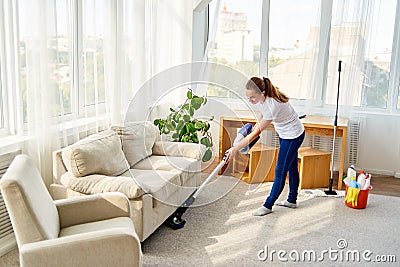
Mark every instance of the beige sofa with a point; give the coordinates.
(157, 176)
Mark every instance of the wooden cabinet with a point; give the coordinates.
(314, 168)
(256, 167)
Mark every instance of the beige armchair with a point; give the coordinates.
(93, 230)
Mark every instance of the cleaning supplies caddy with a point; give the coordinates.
(357, 190)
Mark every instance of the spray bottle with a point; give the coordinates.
(361, 179)
(350, 173)
(367, 182)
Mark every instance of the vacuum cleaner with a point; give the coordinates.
(175, 221)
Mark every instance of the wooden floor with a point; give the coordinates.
(382, 184)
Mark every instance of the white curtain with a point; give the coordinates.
(163, 30)
(66, 74)
(73, 67)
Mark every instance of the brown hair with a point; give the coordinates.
(265, 87)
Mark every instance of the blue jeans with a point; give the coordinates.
(287, 162)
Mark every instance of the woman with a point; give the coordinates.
(275, 107)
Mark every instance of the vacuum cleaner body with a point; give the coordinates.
(175, 221)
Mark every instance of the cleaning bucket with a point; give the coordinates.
(361, 200)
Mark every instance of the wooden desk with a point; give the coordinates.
(316, 125)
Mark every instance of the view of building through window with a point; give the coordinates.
(294, 34)
(237, 39)
(361, 36)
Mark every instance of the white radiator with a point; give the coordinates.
(7, 241)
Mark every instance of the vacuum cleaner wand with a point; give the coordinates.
(175, 221)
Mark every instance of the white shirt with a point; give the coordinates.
(286, 120)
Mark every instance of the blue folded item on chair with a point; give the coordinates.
(243, 132)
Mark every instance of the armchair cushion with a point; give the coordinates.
(103, 245)
(137, 140)
(99, 153)
(91, 208)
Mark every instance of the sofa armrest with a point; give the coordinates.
(179, 149)
(91, 208)
(58, 166)
(115, 246)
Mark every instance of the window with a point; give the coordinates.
(361, 36)
(95, 38)
(78, 40)
(304, 43)
(56, 37)
(294, 30)
(237, 38)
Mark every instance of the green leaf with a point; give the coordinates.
(182, 131)
(180, 125)
(186, 118)
(196, 102)
(207, 155)
(170, 126)
(177, 117)
(205, 141)
(198, 125)
(189, 94)
(185, 106)
(157, 122)
(190, 127)
(172, 110)
(195, 138)
(175, 136)
(191, 111)
(206, 126)
(166, 130)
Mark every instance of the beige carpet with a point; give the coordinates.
(224, 233)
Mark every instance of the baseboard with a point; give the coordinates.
(8, 243)
(381, 172)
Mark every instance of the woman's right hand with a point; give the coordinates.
(231, 152)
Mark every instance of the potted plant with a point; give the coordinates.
(182, 126)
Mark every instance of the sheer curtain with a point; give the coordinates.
(165, 37)
(82, 62)
(66, 73)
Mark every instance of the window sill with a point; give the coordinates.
(11, 143)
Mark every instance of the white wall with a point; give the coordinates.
(379, 149)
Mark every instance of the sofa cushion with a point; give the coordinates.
(160, 184)
(99, 153)
(184, 167)
(179, 149)
(93, 184)
(137, 140)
